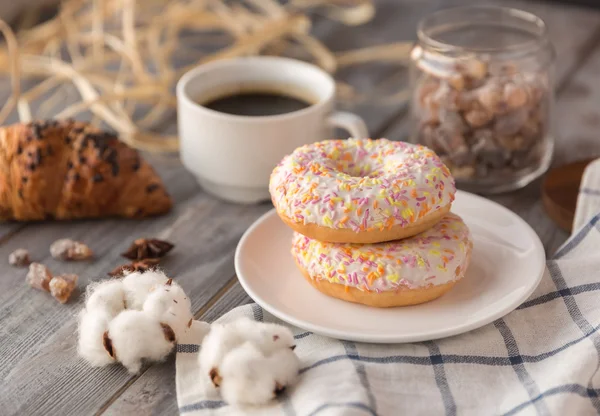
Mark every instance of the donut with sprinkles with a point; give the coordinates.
(361, 190)
(397, 273)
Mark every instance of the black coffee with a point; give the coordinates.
(256, 104)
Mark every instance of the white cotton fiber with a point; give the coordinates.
(92, 326)
(284, 366)
(169, 304)
(267, 337)
(136, 336)
(139, 317)
(221, 339)
(108, 296)
(249, 361)
(138, 286)
(246, 378)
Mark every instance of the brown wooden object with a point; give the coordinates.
(559, 192)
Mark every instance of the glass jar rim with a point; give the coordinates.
(537, 28)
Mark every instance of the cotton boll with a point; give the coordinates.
(92, 326)
(284, 365)
(138, 285)
(169, 304)
(221, 339)
(134, 336)
(246, 377)
(224, 337)
(108, 296)
(266, 336)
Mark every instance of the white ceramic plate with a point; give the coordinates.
(507, 264)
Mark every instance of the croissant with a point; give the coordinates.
(68, 170)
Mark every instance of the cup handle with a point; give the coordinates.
(350, 122)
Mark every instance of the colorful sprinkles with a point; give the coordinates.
(361, 184)
(432, 258)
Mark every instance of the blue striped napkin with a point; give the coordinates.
(541, 359)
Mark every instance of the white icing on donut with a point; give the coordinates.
(434, 257)
(360, 184)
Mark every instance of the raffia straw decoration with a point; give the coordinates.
(123, 57)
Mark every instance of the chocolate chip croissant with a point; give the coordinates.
(67, 170)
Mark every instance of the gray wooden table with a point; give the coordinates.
(39, 368)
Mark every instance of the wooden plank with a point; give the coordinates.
(8, 229)
(154, 392)
(41, 372)
(527, 204)
(577, 116)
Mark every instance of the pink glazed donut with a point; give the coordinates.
(361, 190)
(398, 273)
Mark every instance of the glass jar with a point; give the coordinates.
(482, 94)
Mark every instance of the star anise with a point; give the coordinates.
(136, 266)
(147, 248)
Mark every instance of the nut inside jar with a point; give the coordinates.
(482, 119)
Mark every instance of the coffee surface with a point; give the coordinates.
(256, 104)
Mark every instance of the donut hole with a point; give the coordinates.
(356, 165)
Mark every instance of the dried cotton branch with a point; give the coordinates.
(360, 13)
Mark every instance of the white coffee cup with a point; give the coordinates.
(232, 156)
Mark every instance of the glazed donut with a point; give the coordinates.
(398, 273)
(361, 190)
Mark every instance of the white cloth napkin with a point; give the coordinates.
(541, 359)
